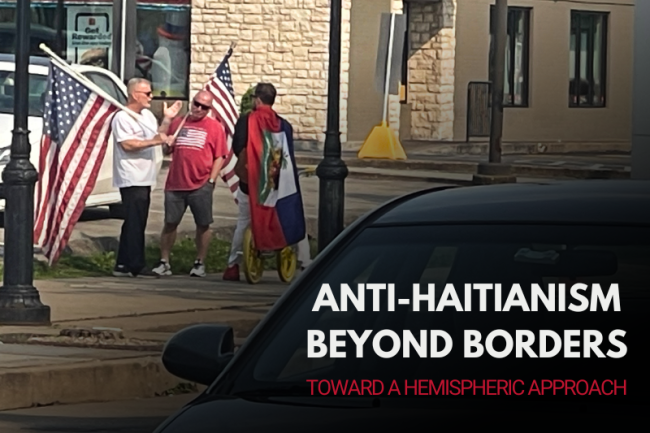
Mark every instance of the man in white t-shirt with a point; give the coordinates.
(135, 171)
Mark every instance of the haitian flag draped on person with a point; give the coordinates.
(277, 216)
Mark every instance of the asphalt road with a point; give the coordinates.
(134, 416)
(361, 195)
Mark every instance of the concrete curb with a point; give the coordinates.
(460, 179)
(400, 169)
(442, 167)
(445, 148)
(96, 381)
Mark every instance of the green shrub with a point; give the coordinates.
(246, 105)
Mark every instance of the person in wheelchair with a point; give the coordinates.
(264, 124)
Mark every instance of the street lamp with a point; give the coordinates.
(332, 171)
(20, 303)
(494, 171)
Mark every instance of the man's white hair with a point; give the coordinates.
(133, 82)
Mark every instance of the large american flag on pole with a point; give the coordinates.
(224, 108)
(76, 128)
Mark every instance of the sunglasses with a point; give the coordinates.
(199, 105)
(146, 93)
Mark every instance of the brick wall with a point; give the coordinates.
(284, 42)
(432, 29)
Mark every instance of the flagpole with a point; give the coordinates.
(92, 86)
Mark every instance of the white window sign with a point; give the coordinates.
(89, 35)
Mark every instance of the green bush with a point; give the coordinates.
(246, 105)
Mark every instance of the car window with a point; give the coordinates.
(36, 97)
(460, 255)
(108, 85)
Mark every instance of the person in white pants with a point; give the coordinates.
(264, 95)
(237, 247)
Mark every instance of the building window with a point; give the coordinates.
(588, 61)
(515, 86)
(163, 46)
(80, 32)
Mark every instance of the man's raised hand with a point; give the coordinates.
(171, 112)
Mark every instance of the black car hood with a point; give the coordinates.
(301, 415)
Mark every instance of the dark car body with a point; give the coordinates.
(604, 224)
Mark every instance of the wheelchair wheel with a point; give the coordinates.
(253, 261)
(286, 263)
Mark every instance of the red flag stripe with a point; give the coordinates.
(47, 178)
(231, 105)
(224, 99)
(73, 158)
(222, 111)
(68, 199)
(87, 177)
(67, 152)
(87, 158)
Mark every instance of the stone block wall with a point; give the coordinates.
(432, 29)
(284, 42)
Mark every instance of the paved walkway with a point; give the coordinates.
(361, 195)
(134, 317)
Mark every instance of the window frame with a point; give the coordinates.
(527, 12)
(576, 18)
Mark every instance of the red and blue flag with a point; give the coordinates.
(277, 215)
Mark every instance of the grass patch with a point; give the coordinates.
(182, 259)
(184, 253)
(70, 266)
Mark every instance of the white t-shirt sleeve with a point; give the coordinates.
(125, 128)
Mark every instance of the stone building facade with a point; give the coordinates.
(431, 63)
(285, 42)
(448, 43)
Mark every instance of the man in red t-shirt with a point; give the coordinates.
(198, 153)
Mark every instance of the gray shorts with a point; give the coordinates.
(199, 201)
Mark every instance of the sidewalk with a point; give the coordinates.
(108, 333)
(424, 164)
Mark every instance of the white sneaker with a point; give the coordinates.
(163, 269)
(198, 270)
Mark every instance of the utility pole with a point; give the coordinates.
(499, 59)
(494, 171)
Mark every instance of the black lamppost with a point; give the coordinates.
(20, 302)
(332, 171)
(494, 171)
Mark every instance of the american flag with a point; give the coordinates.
(76, 128)
(224, 109)
(191, 138)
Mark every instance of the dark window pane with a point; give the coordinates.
(80, 32)
(163, 47)
(37, 87)
(515, 86)
(587, 59)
